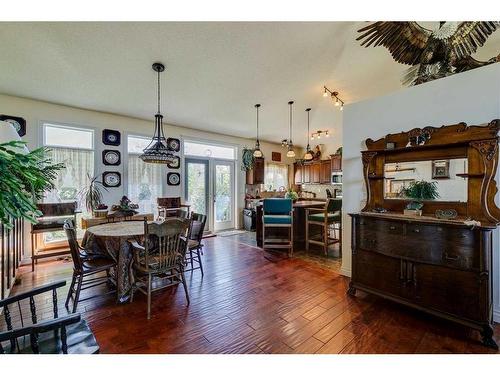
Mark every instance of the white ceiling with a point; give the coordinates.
(215, 72)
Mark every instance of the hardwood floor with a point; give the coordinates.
(249, 303)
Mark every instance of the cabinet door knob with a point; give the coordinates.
(416, 230)
(452, 257)
(392, 227)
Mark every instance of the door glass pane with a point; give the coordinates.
(222, 193)
(196, 187)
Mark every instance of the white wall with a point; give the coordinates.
(36, 112)
(472, 97)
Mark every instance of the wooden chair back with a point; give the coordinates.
(172, 202)
(197, 227)
(170, 248)
(74, 247)
(333, 205)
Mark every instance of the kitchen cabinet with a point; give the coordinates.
(297, 168)
(315, 173)
(336, 163)
(306, 174)
(255, 176)
(326, 172)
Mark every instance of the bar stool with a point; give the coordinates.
(329, 218)
(277, 213)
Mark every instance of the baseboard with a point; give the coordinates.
(345, 271)
(496, 316)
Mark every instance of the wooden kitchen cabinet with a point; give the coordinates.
(336, 161)
(255, 176)
(297, 168)
(315, 173)
(326, 172)
(306, 174)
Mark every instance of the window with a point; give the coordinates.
(207, 150)
(276, 176)
(74, 147)
(144, 179)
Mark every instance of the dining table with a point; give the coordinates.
(112, 240)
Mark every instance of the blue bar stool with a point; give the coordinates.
(277, 213)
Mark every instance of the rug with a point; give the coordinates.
(228, 233)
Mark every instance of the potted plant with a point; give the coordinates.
(418, 191)
(91, 196)
(290, 194)
(26, 176)
(247, 159)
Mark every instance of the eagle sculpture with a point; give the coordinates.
(431, 53)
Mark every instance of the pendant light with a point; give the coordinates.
(257, 153)
(290, 153)
(157, 151)
(309, 154)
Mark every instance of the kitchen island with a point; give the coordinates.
(299, 223)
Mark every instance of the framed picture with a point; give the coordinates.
(173, 178)
(111, 179)
(111, 157)
(176, 163)
(111, 137)
(18, 122)
(440, 169)
(276, 156)
(174, 144)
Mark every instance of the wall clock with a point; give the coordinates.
(111, 179)
(111, 137)
(18, 122)
(173, 144)
(111, 157)
(176, 163)
(173, 178)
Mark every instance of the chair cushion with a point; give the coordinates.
(80, 340)
(332, 217)
(192, 244)
(277, 219)
(98, 263)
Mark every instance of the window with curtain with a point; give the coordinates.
(74, 147)
(276, 176)
(144, 179)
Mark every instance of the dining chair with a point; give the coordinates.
(194, 245)
(161, 257)
(53, 217)
(328, 218)
(278, 213)
(86, 265)
(171, 207)
(68, 334)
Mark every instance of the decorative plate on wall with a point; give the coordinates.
(111, 179)
(111, 137)
(176, 163)
(111, 157)
(173, 144)
(18, 122)
(173, 178)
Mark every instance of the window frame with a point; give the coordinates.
(54, 124)
(285, 165)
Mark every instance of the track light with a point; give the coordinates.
(334, 95)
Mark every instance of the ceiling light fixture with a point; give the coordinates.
(309, 154)
(317, 134)
(257, 153)
(288, 142)
(157, 151)
(335, 96)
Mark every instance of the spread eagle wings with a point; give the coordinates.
(406, 41)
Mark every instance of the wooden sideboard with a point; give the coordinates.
(442, 267)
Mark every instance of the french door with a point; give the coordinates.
(209, 188)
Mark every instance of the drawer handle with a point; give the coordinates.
(416, 230)
(392, 227)
(448, 257)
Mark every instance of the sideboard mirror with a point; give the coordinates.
(448, 175)
(459, 160)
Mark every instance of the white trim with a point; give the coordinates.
(496, 316)
(345, 271)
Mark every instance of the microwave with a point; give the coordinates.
(336, 177)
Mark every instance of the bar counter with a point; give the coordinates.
(299, 222)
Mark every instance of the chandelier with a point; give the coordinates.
(157, 151)
(257, 153)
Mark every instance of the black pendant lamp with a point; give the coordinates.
(257, 153)
(290, 153)
(157, 151)
(309, 154)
